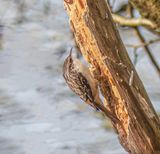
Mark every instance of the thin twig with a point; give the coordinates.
(142, 44)
(143, 41)
(135, 57)
(133, 22)
(131, 78)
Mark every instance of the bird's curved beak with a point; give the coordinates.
(70, 54)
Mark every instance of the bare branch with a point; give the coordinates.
(143, 41)
(133, 22)
(142, 44)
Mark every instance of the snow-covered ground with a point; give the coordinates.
(38, 112)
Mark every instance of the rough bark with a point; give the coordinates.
(149, 9)
(101, 45)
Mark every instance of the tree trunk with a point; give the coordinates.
(149, 9)
(100, 43)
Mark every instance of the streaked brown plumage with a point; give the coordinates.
(80, 81)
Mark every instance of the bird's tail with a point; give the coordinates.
(101, 107)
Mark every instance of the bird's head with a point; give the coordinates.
(69, 58)
(68, 63)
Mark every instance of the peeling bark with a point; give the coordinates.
(100, 43)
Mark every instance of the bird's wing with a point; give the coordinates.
(81, 87)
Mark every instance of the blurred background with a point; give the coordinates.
(38, 112)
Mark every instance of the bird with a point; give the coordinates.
(79, 79)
